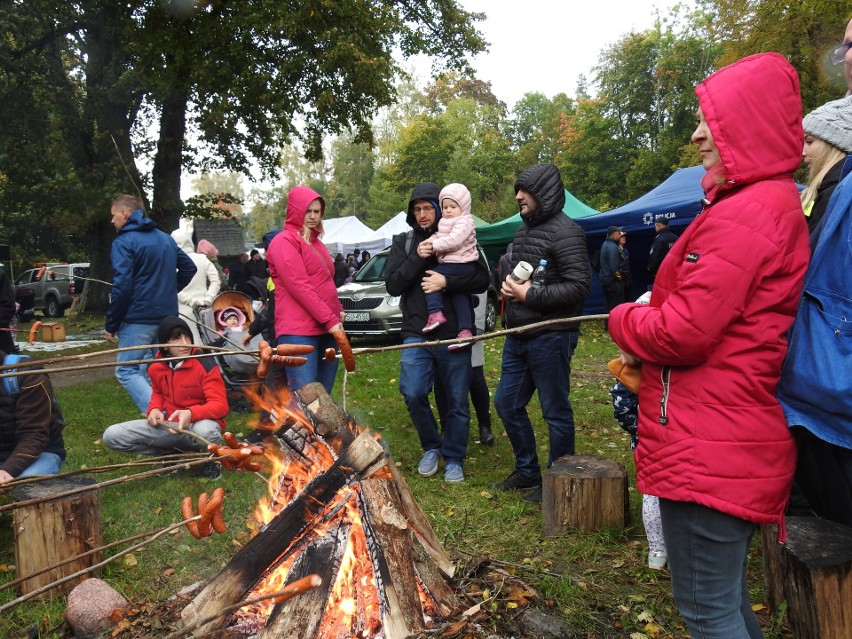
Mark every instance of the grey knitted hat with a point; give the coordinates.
(832, 122)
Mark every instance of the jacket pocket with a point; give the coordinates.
(816, 371)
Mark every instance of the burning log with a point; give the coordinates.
(354, 523)
(263, 550)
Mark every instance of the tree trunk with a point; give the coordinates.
(167, 205)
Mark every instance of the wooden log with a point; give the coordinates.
(300, 618)
(46, 533)
(391, 543)
(812, 572)
(585, 493)
(264, 549)
(420, 524)
(332, 423)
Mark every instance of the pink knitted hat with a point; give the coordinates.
(207, 248)
(459, 194)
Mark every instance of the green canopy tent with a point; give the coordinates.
(495, 237)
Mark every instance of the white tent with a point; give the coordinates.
(393, 226)
(346, 234)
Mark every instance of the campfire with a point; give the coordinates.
(338, 508)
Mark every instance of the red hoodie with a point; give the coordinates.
(713, 337)
(306, 300)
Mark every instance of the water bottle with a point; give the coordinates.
(539, 274)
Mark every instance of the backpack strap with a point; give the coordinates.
(11, 385)
(409, 240)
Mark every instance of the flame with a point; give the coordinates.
(353, 608)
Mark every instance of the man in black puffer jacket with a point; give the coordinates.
(540, 360)
(409, 275)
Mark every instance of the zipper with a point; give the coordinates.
(665, 377)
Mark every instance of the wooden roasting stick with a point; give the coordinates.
(276, 538)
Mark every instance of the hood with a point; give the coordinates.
(754, 111)
(544, 183)
(167, 325)
(222, 315)
(298, 200)
(138, 222)
(430, 192)
(207, 248)
(459, 194)
(183, 239)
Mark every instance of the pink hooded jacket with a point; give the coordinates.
(713, 337)
(306, 300)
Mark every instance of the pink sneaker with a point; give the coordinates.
(464, 334)
(434, 321)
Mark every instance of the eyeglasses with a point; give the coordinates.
(423, 209)
(839, 54)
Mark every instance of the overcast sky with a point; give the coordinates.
(544, 45)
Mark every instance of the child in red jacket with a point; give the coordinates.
(188, 393)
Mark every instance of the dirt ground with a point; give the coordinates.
(70, 378)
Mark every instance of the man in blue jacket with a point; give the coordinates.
(148, 271)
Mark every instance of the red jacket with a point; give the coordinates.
(713, 337)
(196, 385)
(306, 300)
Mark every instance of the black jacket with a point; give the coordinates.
(826, 188)
(405, 270)
(659, 249)
(550, 234)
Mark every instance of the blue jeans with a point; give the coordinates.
(134, 378)
(708, 555)
(45, 464)
(540, 364)
(316, 369)
(417, 370)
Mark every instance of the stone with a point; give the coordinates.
(94, 606)
(537, 623)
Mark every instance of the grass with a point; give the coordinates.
(605, 588)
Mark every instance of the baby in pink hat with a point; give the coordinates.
(455, 245)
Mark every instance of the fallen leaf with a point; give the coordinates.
(652, 629)
(759, 607)
(645, 616)
(454, 629)
(123, 625)
(168, 572)
(511, 605)
(472, 610)
(158, 510)
(638, 635)
(486, 494)
(130, 561)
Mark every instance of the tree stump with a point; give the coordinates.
(812, 572)
(585, 493)
(51, 531)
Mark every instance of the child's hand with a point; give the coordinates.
(246, 339)
(155, 416)
(182, 418)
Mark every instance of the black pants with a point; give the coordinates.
(823, 478)
(614, 294)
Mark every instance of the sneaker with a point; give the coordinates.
(210, 470)
(428, 466)
(465, 334)
(453, 473)
(434, 321)
(533, 496)
(657, 560)
(516, 481)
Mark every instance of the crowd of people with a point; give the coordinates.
(744, 341)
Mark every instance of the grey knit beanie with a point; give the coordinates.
(832, 122)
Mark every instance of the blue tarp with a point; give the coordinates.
(678, 198)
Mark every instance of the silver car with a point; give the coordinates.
(370, 310)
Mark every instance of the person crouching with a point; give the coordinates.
(188, 393)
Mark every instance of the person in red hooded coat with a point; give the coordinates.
(713, 442)
(306, 305)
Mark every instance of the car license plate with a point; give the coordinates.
(357, 317)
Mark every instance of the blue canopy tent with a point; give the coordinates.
(678, 198)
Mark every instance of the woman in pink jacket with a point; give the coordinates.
(713, 443)
(306, 305)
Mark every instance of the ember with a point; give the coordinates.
(337, 508)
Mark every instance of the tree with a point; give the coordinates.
(804, 31)
(352, 173)
(240, 76)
